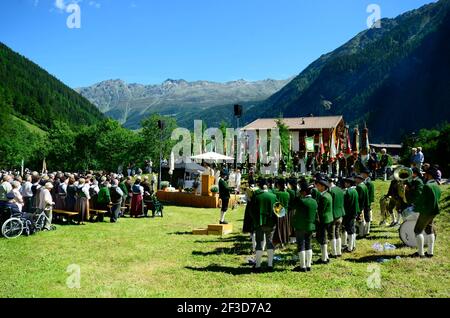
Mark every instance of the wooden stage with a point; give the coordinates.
(192, 200)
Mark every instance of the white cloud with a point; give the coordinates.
(60, 4)
(95, 4)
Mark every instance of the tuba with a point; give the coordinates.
(402, 175)
(279, 210)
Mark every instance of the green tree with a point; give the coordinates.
(152, 139)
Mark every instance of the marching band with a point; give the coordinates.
(330, 209)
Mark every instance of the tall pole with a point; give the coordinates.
(160, 158)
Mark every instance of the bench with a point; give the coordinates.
(69, 214)
(98, 213)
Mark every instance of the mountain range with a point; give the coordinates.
(130, 103)
(395, 79)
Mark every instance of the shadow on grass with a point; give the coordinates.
(371, 258)
(378, 237)
(237, 249)
(234, 238)
(225, 269)
(180, 233)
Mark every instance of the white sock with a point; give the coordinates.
(253, 237)
(420, 242)
(367, 228)
(270, 258)
(258, 258)
(333, 247)
(309, 254)
(301, 257)
(339, 246)
(222, 216)
(263, 244)
(324, 249)
(361, 228)
(345, 238)
(431, 239)
(353, 241)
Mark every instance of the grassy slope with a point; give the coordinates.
(157, 258)
(32, 128)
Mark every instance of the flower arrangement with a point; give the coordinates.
(164, 185)
(214, 189)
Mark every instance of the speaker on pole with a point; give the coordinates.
(238, 110)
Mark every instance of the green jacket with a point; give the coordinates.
(363, 196)
(264, 205)
(315, 193)
(351, 203)
(124, 189)
(283, 197)
(415, 191)
(371, 188)
(325, 208)
(428, 202)
(338, 202)
(224, 191)
(104, 196)
(292, 198)
(305, 215)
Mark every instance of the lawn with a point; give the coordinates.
(160, 258)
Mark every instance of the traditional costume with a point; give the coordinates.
(264, 222)
(325, 219)
(304, 223)
(352, 210)
(338, 213)
(428, 207)
(137, 200)
(363, 197)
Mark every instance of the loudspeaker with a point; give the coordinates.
(237, 110)
(161, 124)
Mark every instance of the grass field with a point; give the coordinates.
(159, 258)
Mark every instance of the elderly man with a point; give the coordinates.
(27, 194)
(46, 203)
(5, 187)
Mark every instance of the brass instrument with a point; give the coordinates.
(279, 210)
(402, 175)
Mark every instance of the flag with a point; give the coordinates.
(321, 145)
(333, 145)
(172, 163)
(356, 140)
(349, 143)
(44, 166)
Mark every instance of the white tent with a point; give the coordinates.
(212, 156)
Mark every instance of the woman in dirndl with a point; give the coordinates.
(83, 198)
(137, 199)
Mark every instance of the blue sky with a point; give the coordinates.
(148, 41)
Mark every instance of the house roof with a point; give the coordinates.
(386, 146)
(300, 123)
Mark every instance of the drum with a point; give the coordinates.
(406, 230)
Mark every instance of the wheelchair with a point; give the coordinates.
(155, 205)
(15, 225)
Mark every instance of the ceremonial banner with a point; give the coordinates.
(309, 142)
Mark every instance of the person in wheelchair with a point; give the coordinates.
(9, 205)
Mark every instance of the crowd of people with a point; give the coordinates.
(81, 193)
(337, 210)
